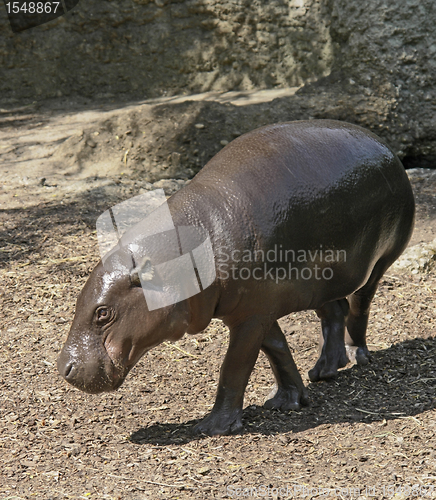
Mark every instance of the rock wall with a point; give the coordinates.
(371, 63)
(144, 49)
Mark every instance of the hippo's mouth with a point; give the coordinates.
(116, 383)
(123, 358)
(102, 378)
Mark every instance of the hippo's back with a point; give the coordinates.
(300, 176)
(307, 156)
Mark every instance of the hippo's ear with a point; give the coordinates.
(144, 271)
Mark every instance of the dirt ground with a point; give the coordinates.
(370, 433)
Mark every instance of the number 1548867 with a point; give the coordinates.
(32, 7)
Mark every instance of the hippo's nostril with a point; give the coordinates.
(68, 370)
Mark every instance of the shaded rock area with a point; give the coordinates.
(371, 63)
(164, 138)
(142, 48)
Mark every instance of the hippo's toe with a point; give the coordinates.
(363, 356)
(286, 400)
(220, 424)
(327, 366)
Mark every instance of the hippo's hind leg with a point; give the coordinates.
(289, 392)
(244, 346)
(357, 321)
(333, 353)
(353, 313)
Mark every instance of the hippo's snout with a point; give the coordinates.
(93, 375)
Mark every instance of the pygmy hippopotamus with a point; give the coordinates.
(304, 215)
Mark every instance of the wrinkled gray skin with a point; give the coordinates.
(301, 185)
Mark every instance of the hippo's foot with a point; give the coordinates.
(359, 355)
(220, 423)
(286, 399)
(327, 366)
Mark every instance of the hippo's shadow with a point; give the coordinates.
(400, 382)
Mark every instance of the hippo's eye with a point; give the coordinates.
(103, 315)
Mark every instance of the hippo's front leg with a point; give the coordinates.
(289, 392)
(245, 342)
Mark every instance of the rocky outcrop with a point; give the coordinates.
(143, 48)
(388, 50)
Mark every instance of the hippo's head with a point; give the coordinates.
(113, 328)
